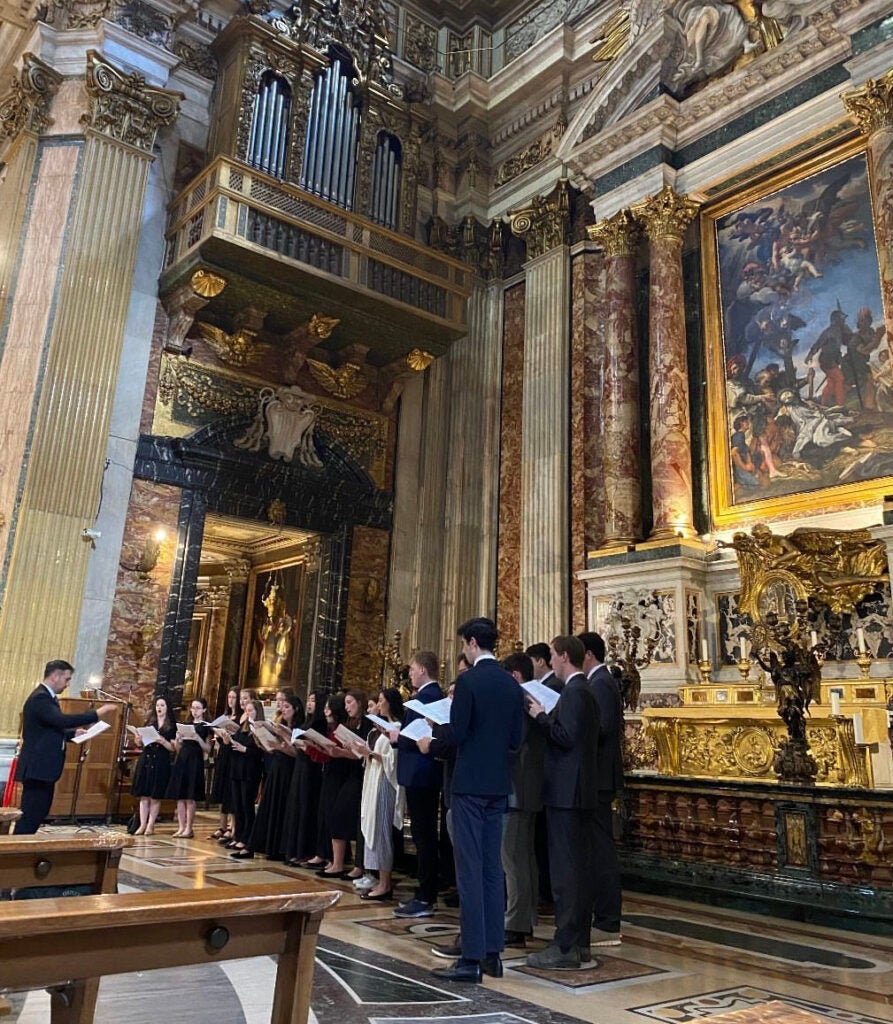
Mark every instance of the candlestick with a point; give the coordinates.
(858, 731)
(745, 648)
(835, 703)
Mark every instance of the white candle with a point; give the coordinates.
(745, 648)
(705, 656)
(860, 639)
(835, 703)
(814, 638)
(858, 731)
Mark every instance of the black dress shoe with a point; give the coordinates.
(492, 966)
(460, 971)
(381, 897)
(515, 939)
(242, 855)
(331, 874)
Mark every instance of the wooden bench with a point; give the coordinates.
(60, 944)
(8, 817)
(62, 860)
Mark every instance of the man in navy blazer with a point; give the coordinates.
(606, 867)
(421, 776)
(486, 717)
(45, 728)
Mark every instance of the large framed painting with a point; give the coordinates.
(800, 380)
(273, 626)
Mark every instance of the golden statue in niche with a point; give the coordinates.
(275, 639)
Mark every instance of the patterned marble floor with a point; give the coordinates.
(679, 962)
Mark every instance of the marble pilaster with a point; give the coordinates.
(618, 238)
(75, 355)
(872, 108)
(665, 217)
(545, 549)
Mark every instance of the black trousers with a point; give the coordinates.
(244, 794)
(570, 861)
(606, 870)
(37, 798)
(423, 805)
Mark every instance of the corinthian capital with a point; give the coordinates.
(618, 235)
(666, 215)
(543, 225)
(872, 105)
(27, 104)
(124, 107)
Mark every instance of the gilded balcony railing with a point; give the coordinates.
(231, 202)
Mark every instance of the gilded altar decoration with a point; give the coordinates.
(628, 650)
(545, 223)
(27, 104)
(345, 381)
(277, 512)
(275, 603)
(837, 568)
(238, 349)
(206, 284)
(124, 107)
(418, 359)
(321, 327)
(872, 105)
(800, 379)
(285, 423)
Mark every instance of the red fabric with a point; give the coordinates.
(9, 792)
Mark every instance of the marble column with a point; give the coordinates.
(95, 222)
(872, 107)
(665, 218)
(618, 238)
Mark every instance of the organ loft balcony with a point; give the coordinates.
(292, 255)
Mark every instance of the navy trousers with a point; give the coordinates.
(37, 798)
(477, 842)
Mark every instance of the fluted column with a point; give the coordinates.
(872, 107)
(665, 217)
(618, 237)
(97, 229)
(545, 479)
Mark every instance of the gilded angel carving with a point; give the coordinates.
(346, 381)
(239, 349)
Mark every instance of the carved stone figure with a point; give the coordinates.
(708, 35)
(285, 420)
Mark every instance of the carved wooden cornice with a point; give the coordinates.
(618, 235)
(124, 107)
(27, 104)
(545, 223)
(872, 105)
(666, 214)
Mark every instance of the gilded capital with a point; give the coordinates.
(666, 215)
(872, 105)
(124, 107)
(618, 235)
(545, 224)
(27, 104)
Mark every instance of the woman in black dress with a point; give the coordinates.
(247, 770)
(221, 791)
(153, 769)
(342, 782)
(267, 836)
(188, 776)
(300, 840)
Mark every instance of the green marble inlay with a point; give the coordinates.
(872, 35)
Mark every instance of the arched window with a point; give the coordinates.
(386, 168)
(268, 141)
(333, 134)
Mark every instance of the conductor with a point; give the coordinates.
(45, 728)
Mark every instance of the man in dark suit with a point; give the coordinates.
(486, 718)
(606, 866)
(519, 828)
(570, 794)
(541, 656)
(421, 776)
(45, 729)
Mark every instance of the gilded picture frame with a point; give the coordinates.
(799, 373)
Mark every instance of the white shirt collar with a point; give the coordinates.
(485, 657)
(49, 690)
(429, 683)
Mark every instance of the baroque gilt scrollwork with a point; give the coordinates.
(545, 223)
(872, 105)
(124, 107)
(666, 214)
(533, 154)
(27, 104)
(618, 235)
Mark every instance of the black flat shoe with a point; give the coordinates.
(382, 897)
(459, 972)
(242, 855)
(331, 874)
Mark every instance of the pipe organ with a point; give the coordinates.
(386, 168)
(268, 141)
(329, 168)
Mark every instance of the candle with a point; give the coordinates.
(814, 638)
(860, 639)
(858, 731)
(705, 655)
(745, 648)
(835, 703)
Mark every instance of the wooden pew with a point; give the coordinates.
(61, 944)
(62, 860)
(8, 817)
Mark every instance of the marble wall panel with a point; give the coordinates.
(141, 599)
(365, 608)
(508, 571)
(159, 337)
(578, 442)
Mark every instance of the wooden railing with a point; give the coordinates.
(233, 202)
(44, 860)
